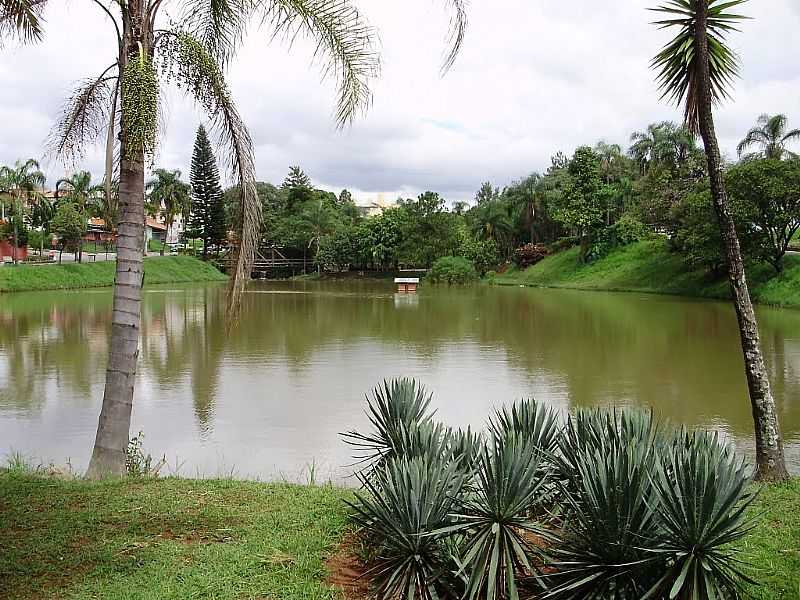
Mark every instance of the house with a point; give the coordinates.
(376, 207)
(154, 230)
(98, 232)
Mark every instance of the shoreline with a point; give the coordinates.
(649, 267)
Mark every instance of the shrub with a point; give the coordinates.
(530, 419)
(452, 270)
(702, 492)
(407, 500)
(494, 518)
(646, 512)
(396, 408)
(561, 244)
(529, 254)
(627, 230)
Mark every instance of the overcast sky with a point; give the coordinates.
(534, 77)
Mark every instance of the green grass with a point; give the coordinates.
(165, 538)
(225, 539)
(772, 551)
(162, 269)
(650, 267)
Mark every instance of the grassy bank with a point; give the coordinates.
(162, 269)
(650, 267)
(179, 538)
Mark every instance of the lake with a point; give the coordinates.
(269, 399)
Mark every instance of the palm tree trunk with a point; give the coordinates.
(113, 428)
(770, 463)
(108, 457)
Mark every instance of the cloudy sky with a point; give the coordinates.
(534, 77)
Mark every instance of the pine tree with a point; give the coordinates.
(207, 219)
(298, 187)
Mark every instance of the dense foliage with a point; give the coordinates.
(453, 270)
(604, 504)
(600, 198)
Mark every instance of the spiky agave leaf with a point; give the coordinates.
(677, 65)
(532, 420)
(493, 519)
(185, 59)
(21, 20)
(395, 409)
(703, 495)
(601, 431)
(601, 553)
(399, 510)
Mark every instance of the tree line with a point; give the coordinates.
(599, 198)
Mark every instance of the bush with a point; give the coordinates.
(561, 244)
(529, 254)
(627, 230)
(406, 501)
(452, 270)
(626, 507)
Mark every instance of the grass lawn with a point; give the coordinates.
(161, 269)
(649, 266)
(180, 538)
(165, 538)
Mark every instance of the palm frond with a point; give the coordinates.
(84, 117)
(218, 24)
(22, 20)
(458, 28)
(187, 60)
(345, 45)
(677, 64)
(753, 137)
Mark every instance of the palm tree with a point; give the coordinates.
(170, 196)
(696, 69)
(647, 146)
(83, 194)
(771, 137)
(122, 104)
(524, 195)
(490, 221)
(320, 219)
(21, 183)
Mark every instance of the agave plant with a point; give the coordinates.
(600, 431)
(395, 409)
(402, 505)
(531, 420)
(493, 518)
(703, 494)
(602, 552)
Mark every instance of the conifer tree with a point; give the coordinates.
(207, 219)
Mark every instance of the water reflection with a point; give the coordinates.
(269, 398)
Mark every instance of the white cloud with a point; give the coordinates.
(533, 78)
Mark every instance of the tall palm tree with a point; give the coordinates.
(22, 184)
(647, 146)
(696, 69)
(320, 219)
(771, 137)
(170, 196)
(490, 221)
(78, 189)
(122, 105)
(524, 195)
